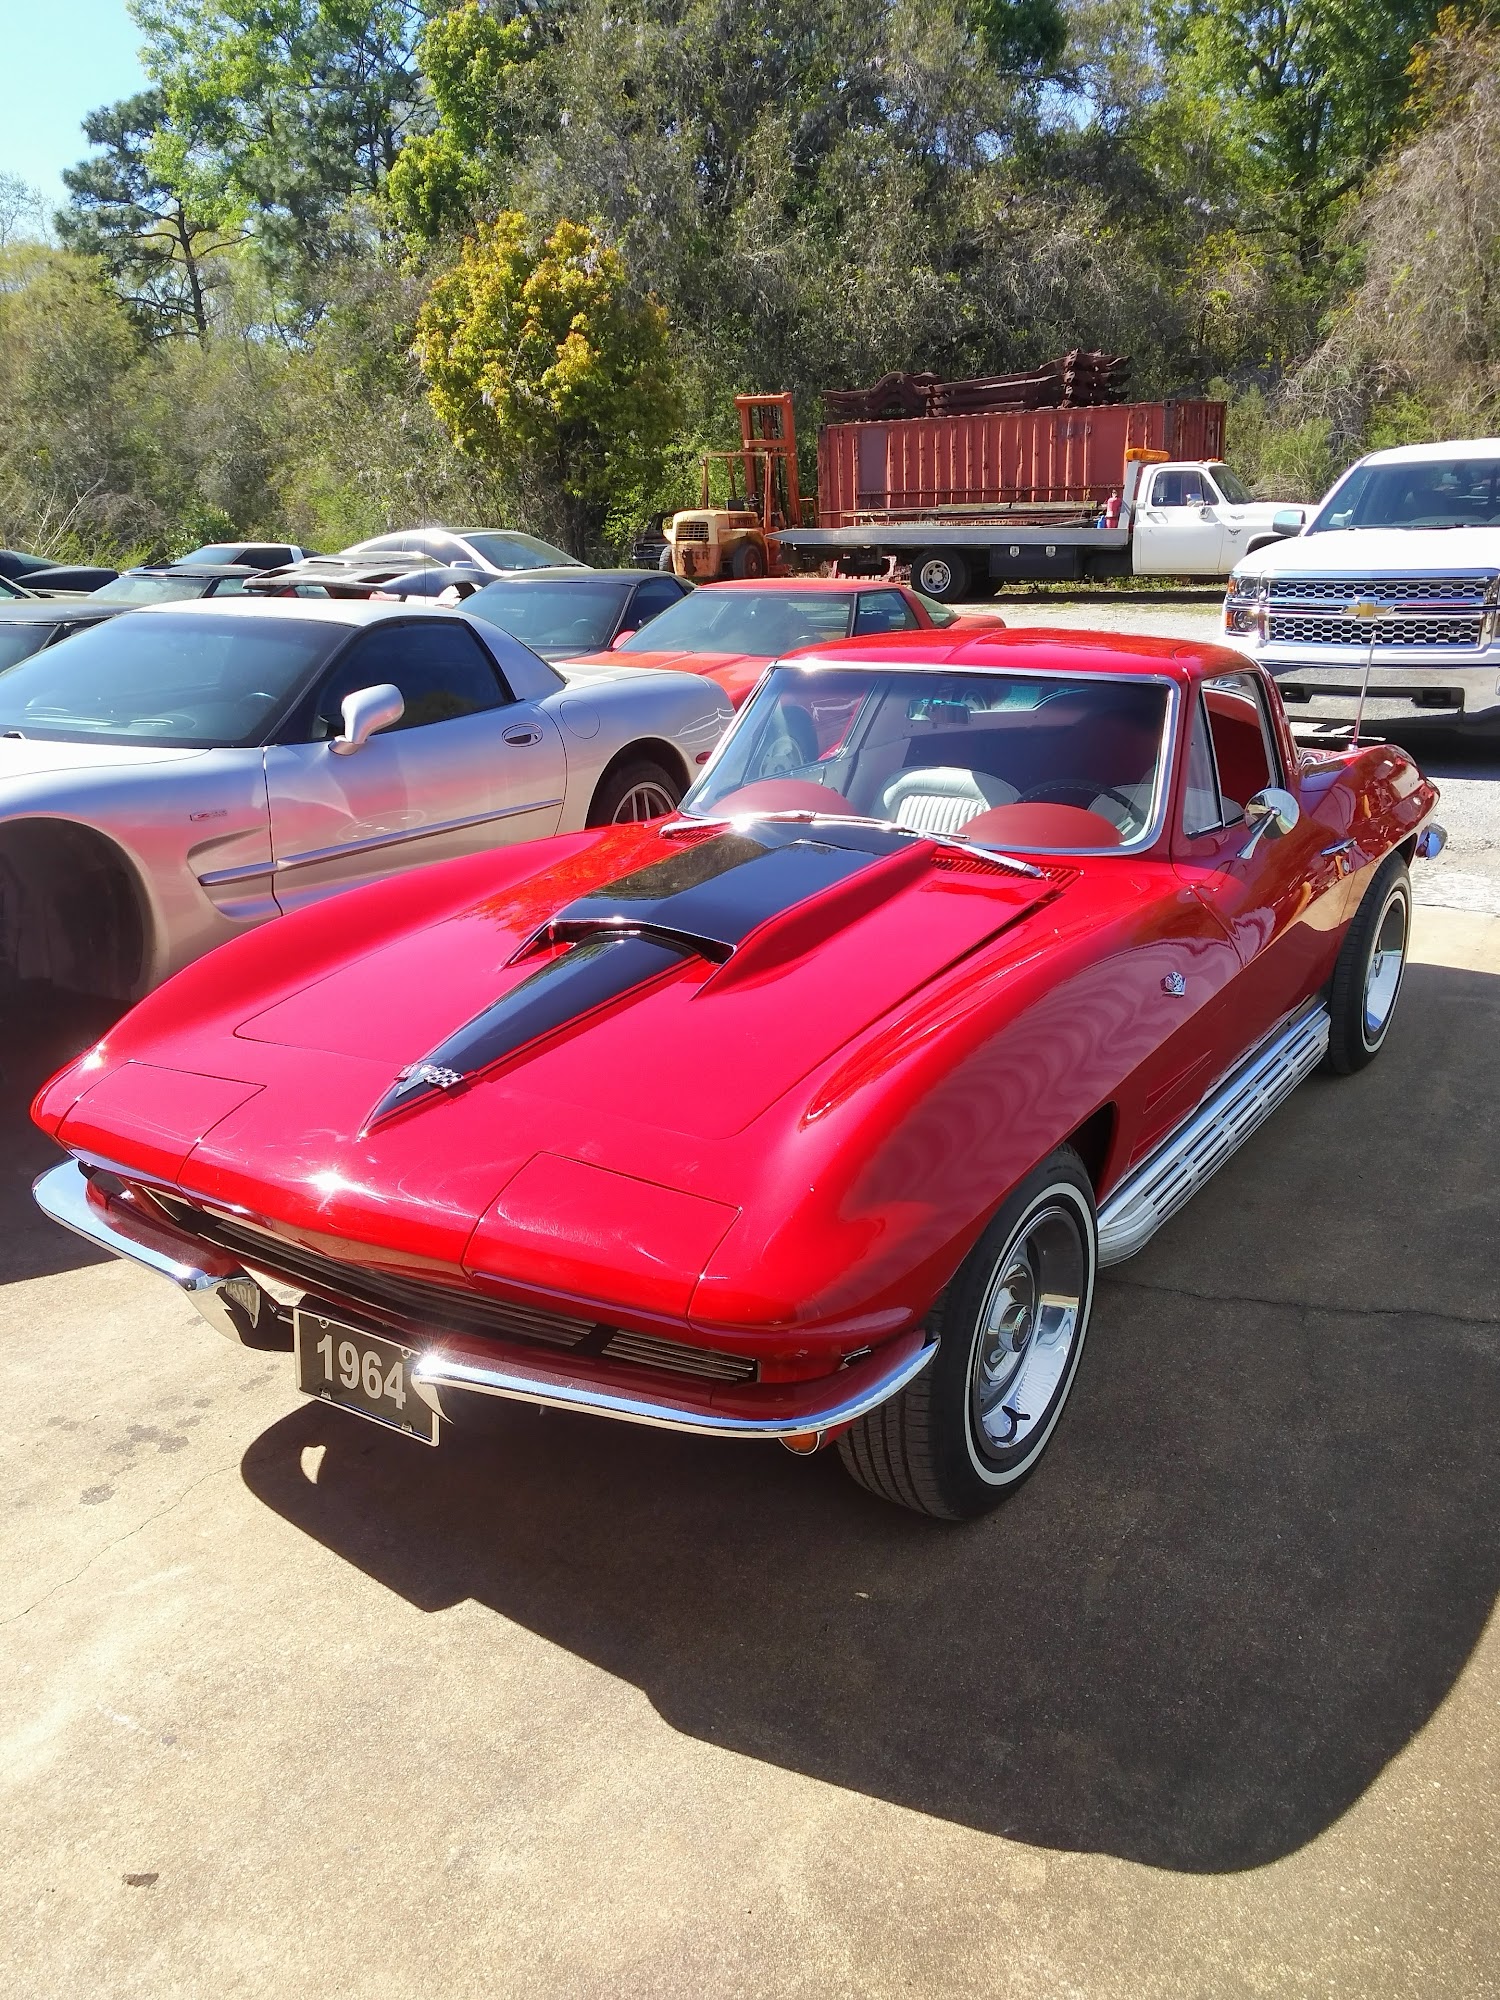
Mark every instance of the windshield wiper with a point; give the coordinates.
(799, 818)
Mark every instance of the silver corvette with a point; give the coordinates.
(171, 778)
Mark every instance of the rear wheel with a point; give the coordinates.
(640, 789)
(941, 573)
(1370, 968)
(976, 1420)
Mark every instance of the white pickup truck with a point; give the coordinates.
(1399, 568)
(1183, 518)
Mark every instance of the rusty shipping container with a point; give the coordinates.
(917, 466)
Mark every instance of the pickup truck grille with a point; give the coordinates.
(1448, 593)
(1292, 630)
(428, 1308)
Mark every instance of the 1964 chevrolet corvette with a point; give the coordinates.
(809, 1112)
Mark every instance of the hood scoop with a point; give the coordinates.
(702, 901)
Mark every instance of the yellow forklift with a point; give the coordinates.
(738, 539)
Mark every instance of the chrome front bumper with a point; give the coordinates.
(235, 1304)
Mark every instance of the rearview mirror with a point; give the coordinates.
(1287, 520)
(365, 711)
(1273, 813)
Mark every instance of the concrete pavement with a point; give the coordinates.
(1210, 1708)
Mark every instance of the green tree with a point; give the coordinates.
(468, 57)
(1026, 37)
(539, 353)
(136, 215)
(303, 103)
(1286, 104)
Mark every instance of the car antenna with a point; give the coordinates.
(1367, 611)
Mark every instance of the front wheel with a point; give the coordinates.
(641, 789)
(974, 1423)
(1369, 970)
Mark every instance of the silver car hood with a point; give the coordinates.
(30, 757)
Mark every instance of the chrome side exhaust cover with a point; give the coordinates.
(1169, 1178)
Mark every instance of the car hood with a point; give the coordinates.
(1377, 552)
(569, 1059)
(30, 757)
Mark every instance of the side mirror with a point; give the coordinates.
(619, 639)
(1272, 813)
(365, 711)
(1208, 512)
(1288, 520)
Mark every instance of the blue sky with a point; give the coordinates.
(59, 59)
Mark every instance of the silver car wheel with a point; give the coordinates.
(647, 800)
(1029, 1325)
(1387, 965)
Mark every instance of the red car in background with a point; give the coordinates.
(731, 631)
(809, 1112)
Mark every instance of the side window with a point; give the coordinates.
(883, 611)
(227, 586)
(1200, 802)
(652, 598)
(1241, 741)
(441, 670)
(1167, 489)
(444, 548)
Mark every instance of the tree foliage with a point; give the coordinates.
(583, 224)
(537, 349)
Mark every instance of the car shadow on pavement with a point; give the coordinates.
(36, 1039)
(1251, 1566)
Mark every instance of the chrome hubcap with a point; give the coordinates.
(1028, 1328)
(1383, 974)
(936, 577)
(645, 801)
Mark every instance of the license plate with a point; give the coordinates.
(364, 1372)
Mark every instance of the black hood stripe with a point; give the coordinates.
(703, 901)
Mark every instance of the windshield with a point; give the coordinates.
(134, 588)
(1233, 488)
(519, 551)
(761, 623)
(1431, 493)
(214, 552)
(580, 615)
(19, 642)
(195, 682)
(1012, 761)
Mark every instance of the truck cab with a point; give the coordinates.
(1396, 576)
(1195, 519)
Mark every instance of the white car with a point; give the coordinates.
(172, 778)
(1403, 557)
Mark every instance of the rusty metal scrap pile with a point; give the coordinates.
(1079, 379)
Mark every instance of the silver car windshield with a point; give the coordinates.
(128, 589)
(518, 551)
(1427, 493)
(197, 682)
(1008, 760)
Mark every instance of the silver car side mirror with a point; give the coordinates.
(1288, 520)
(1272, 813)
(365, 711)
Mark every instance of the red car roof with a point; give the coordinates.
(1014, 647)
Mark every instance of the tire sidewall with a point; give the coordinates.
(1397, 889)
(979, 1479)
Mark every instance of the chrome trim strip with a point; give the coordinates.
(314, 854)
(438, 1371)
(246, 872)
(1169, 1178)
(62, 1194)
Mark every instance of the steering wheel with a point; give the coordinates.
(1085, 786)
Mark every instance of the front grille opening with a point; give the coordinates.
(421, 1307)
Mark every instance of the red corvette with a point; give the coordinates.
(732, 631)
(807, 1113)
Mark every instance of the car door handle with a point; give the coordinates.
(523, 732)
